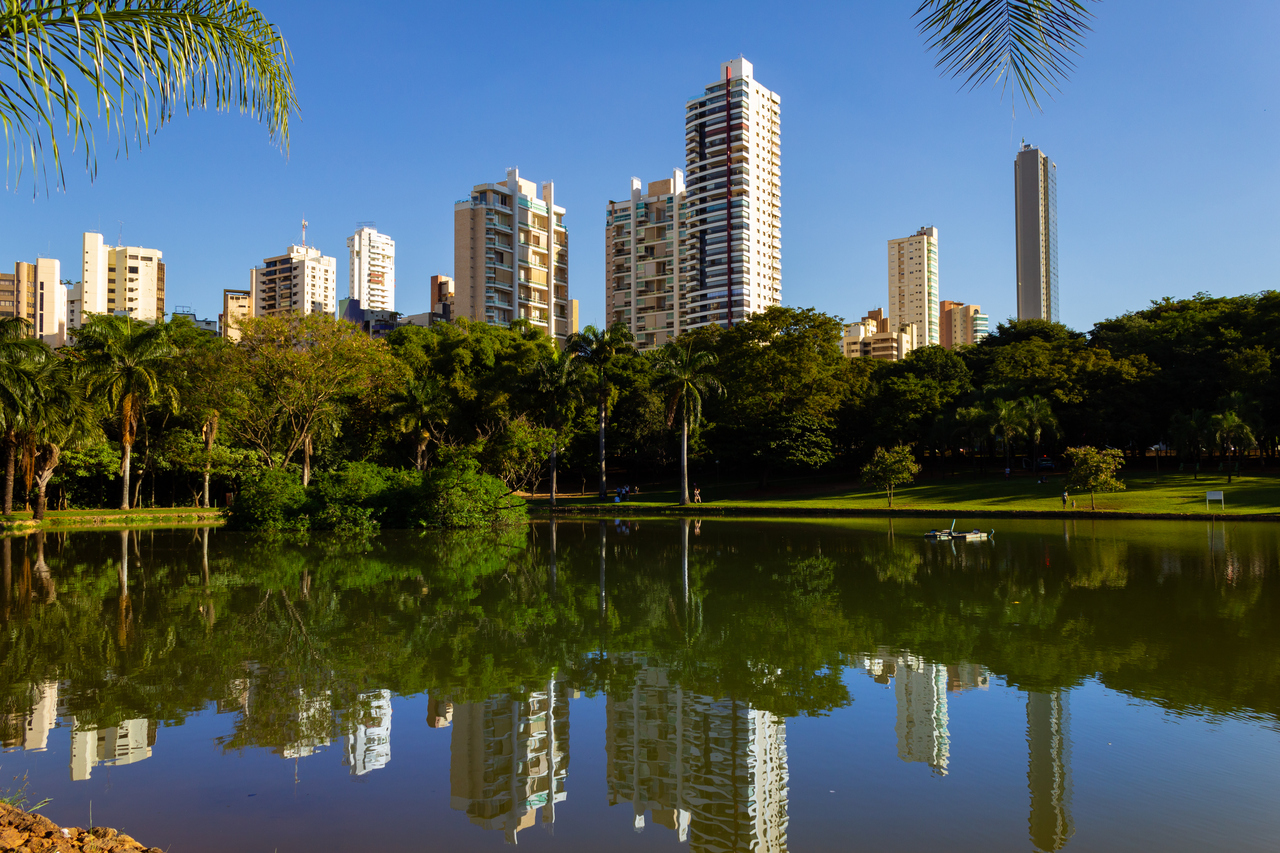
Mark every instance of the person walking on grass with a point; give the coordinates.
(697, 494)
(1064, 498)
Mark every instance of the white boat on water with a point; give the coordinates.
(974, 535)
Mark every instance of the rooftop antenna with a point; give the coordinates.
(304, 233)
(120, 234)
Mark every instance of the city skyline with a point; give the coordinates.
(1103, 111)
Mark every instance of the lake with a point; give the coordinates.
(664, 684)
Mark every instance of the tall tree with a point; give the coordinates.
(19, 358)
(1006, 420)
(598, 348)
(65, 419)
(420, 411)
(685, 375)
(1231, 433)
(139, 62)
(124, 359)
(1037, 419)
(558, 379)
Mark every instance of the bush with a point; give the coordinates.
(271, 500)
(457, 496)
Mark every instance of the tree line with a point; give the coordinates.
(165, 413)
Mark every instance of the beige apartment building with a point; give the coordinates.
(641, 247)
(371, 274)
(301, 281)
(1035, 187)
(511, 257)
(731, 249)
(125, 280)
(874, 337)
(913, 284)
(961, 324)
(35, 292)
(236, 306)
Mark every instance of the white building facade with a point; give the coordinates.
(732, 244)
(371, 274)
(913, 285)
(124, 280)
(301, 281)
(642, 257)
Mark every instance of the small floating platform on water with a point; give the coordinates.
(951, 533)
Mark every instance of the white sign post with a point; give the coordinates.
(1214, 496)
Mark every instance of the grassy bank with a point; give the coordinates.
(1172, 495)
(69, 519)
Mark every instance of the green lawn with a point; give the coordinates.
(1171, 493)
(140, 517)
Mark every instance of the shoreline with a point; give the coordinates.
(844, 512)
(108, 519)
(23, 830)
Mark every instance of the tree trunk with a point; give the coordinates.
(306, 461)
(555, 445)
(1092, 503)
(210, 433)
(684, 461)
(10, 466)
(604, 489)
(553, 557)
(126, 458)
(420, 460)
(50, 461)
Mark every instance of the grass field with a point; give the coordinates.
(63, 519)
(969, 493)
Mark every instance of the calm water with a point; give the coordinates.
(714, 686)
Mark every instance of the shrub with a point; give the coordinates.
(272, 499)
(458, 495)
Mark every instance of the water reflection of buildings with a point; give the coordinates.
(714, 771)
(127, 743)
(921, 689)
(509, 757)
(1049, 770)
(31, 730)
(368, 744)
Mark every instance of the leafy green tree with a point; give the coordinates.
(889, 468)
(20, 358)
(124, 360)
(685, 376)
(139, 61)
(1231, 433)
(66, 419)
(1094, 470)
(599, 349)
(420, 411)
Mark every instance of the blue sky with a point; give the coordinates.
(1165, 140)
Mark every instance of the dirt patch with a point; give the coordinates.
(23, 832)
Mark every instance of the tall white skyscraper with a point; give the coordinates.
(371, 277)
(1035, 192)
(117, 280)
(913, 285)
(731, 261)
(301, 281)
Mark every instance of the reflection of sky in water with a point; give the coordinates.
(920, 753)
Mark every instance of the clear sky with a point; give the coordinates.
(1165, 140)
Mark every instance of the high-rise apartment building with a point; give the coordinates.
(642, 248)
(371, 277)
(872, 337)
(301, 281)
(1035, 192)
(236, 306)
(124, 280)
(731, 251)
(913, 284)
(368, 744)
(35, 292)
(511, 257)
(960, 324)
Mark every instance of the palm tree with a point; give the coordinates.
(138, 62)
(973, 423)
(684, 375)
(1231, 431)
(1037, 418)
(1022, 44)
(598, 348)
(124, 360)
(66, 418)
(420, 411)
(1189, 433)
(20, 356)
(1006, 421)
(558, 382)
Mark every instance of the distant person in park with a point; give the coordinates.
(1064, 498)
(697, 494)
(1008, 472)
